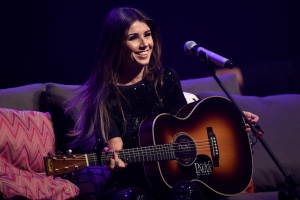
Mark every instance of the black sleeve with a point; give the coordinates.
(114, 130)
(174, 98)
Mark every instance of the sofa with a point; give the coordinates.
(33, 124)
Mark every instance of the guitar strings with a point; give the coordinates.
(160, 152)
(152, 149)
(163, 151)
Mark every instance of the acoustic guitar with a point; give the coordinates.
(206, 142)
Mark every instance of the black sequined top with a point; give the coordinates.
(141, 103)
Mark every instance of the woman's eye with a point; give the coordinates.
(148, 34)
(133, 37)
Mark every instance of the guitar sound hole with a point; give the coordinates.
(185, 149)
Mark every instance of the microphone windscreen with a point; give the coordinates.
(188, 46)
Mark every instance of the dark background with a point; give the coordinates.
(56, 40)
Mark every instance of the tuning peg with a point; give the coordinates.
(69, 151)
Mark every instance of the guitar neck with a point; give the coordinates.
(142, 154)
(59, 164)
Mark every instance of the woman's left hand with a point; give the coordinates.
(252, 118)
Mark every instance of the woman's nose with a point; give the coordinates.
(143, 42)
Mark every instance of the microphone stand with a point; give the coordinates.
(290, 191)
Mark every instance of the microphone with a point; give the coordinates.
(190, 47)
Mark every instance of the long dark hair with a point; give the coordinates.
(93, 94)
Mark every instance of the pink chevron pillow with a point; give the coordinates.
(15, 182)
(25, 138)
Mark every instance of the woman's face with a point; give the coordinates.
(138, 46)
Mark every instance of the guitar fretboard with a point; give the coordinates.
(142, 154)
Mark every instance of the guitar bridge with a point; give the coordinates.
(214, 149)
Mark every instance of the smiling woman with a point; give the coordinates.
(128, 86)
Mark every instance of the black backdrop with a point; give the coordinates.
(56, 40)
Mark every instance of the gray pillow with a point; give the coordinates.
(57, 95)
(27, 97)
(209, 84)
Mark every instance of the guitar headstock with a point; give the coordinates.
(61, 164)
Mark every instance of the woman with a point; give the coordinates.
(128, 85)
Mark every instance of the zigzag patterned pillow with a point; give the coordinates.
(15, 182)
(25, 138)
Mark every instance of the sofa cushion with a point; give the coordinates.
(25, 138)
(194, 86)
(57, 95)
(279, 119)
(27, 97)
(255, 196)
